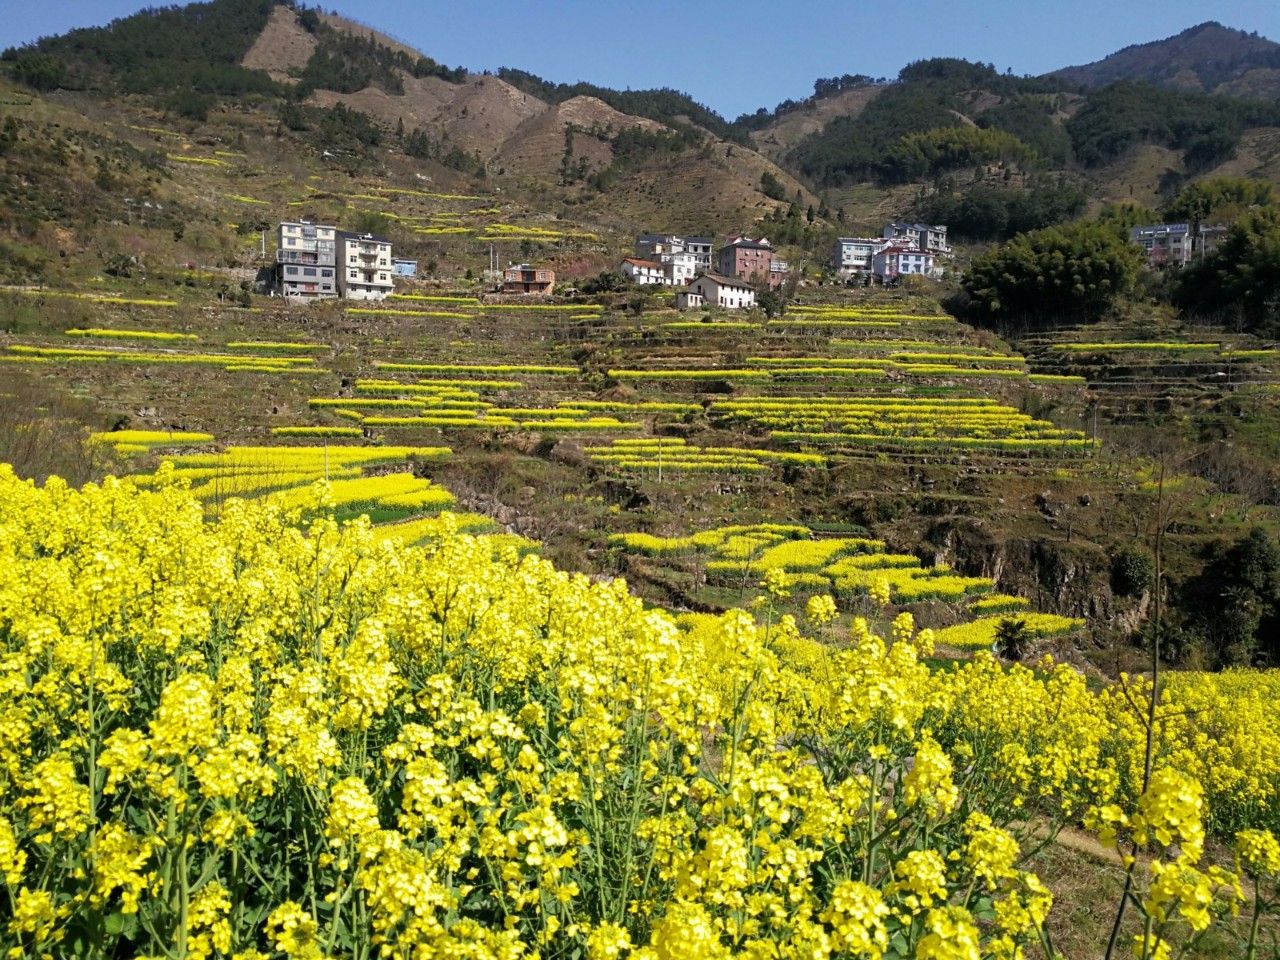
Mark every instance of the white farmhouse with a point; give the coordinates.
(689, 300)
(643, 272)
(724, 291)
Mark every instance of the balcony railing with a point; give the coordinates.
(300, 256)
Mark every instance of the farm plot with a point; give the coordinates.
(855, 570)
(894, 423)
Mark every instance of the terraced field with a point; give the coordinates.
(728, 411)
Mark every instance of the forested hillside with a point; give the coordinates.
(1208, 57)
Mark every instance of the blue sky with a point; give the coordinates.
(737, 56)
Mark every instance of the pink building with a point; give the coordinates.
(747, 259)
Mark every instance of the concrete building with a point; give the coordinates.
(700, 248)
(1210, 235)
(745, 259)
(656, 246)
(930, 238)
(364, 266)
(680, 268)
(1175, 244)
(898, 260)
(727, 292)
(523, 278)
(305, 260)
(690, 300)
(1165, 244)
(852, 255)
(643, 272)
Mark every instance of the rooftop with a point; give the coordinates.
(724, 281)
(761, 244)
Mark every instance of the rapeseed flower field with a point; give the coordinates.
(277, 734)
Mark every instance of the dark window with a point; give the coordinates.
(309, 272)
(326, 273)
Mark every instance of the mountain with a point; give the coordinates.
(990, 153)
(1208, 57)
(303, 63)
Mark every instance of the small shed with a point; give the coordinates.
(689, 300)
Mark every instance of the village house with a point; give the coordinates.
(1175, 244)
(643, 272)
(659, 246)
(305, 260)
(744, 258)
(852, 255)
(680, 268)
(523, 278)
(923, 236)
(747, 259)
(689, 300)
(682, 258)
(900, 260)
(364, 266)
(727, 292)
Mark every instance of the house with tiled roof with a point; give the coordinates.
(720, 291)
(643, 272)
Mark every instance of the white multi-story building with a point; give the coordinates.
(305, 255)
(655, 246)
(643, 272)
(1176, 244)
(364, 266)
(680, 268)
(899, 260)
(853, 255)
(923, 236)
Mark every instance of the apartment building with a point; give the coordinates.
(305, 260)
(364, 266)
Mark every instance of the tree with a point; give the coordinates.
(1219, 197)
(1073, 272)
(40, 71)
(1242, 276)
(371, 221)
(771, 186)
(1012, 638)
(1235, 601)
